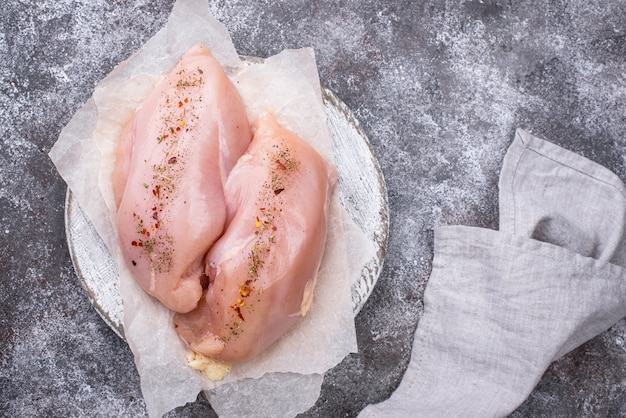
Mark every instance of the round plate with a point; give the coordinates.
(362, 193)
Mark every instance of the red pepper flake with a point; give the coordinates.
(172, 160)
(156, 225)
(157, 191)
(237, 309)
(281, 165)
(178, 129)
(180, 104)
(278, 191)
(186, 100)
(134, 243)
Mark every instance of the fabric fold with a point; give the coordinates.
(554, 195)
(500, 306)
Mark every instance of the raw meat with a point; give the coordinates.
(173, 160)
(262, 271)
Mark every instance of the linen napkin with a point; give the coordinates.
(500, 306)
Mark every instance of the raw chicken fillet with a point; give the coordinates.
(172, 163)
(262, 271)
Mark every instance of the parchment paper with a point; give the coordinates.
(286, 379)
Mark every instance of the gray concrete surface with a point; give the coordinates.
(438, 86)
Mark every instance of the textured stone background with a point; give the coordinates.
(439, 87)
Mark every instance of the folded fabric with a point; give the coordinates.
(554, 195)
(500, 306)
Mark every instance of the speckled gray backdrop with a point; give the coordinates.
(438, 86)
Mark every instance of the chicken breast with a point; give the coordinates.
(173, 160)
(262, 271)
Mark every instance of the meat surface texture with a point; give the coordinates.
(172, 163)
(263, 270)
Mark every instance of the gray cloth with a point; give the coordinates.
(500, 306)
(553, 195)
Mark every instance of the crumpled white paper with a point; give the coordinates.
(286, 379)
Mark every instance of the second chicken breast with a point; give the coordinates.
(262, 271)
